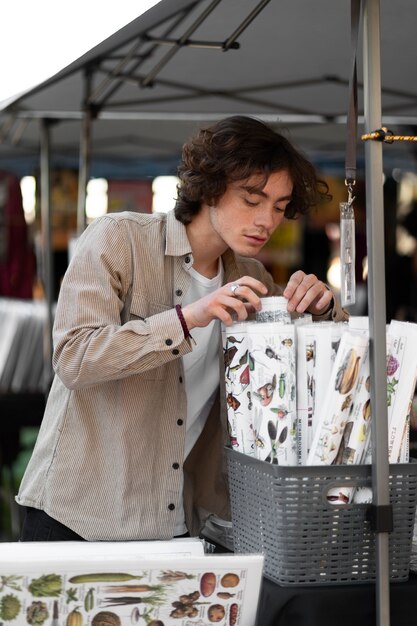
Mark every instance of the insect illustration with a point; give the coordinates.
(243, 359)
(280, 411)
(310, 352)
(250, 403)
(229, 353)
(271, 354)
(265, 392)
(287, 342)
(232, 402)
(281, 385)
(335, 346)
(232, 339)
(259, 442)
(254, 427)
(244, 377)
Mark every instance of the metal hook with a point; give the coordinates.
(350, 184)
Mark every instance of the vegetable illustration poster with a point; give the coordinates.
(193, 591)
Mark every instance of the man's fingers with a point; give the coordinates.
(307, 292)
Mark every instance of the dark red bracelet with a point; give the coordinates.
(182, 320)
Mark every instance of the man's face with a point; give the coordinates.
(247, 214)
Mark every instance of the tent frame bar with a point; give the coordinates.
(376, 298)
(193, 43)
(46, 246)
(177, 44)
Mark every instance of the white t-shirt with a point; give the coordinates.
(201, 367)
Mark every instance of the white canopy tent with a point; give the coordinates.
(184, 62)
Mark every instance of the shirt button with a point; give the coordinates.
(180, 422)
(168, 342)
(171, 506)
(175, 351)
(187, 259)
(175, 465)
(178, 292)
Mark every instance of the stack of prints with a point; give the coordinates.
(300, 393)
(146, 583)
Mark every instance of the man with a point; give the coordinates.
(131, 444)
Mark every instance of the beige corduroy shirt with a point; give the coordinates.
(109, 454)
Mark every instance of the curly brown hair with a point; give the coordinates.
(234, 149)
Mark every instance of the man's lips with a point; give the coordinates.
(256, 239)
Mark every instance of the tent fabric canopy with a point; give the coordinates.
(186, 62)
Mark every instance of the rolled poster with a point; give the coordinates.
(272, 353)
(326, 447)
(237, 367)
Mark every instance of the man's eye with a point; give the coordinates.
(251, 203)
(280, 209)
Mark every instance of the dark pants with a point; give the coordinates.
(38, 526)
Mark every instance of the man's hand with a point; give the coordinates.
(305, 292)
(232, 302)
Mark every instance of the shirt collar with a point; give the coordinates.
(177, 243)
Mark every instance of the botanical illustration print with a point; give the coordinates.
(148, 597)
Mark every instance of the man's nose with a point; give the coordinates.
(267, 218)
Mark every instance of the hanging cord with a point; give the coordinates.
(347, 216)
(387, 136)
(352, 114)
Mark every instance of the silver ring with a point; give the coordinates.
(233, 288)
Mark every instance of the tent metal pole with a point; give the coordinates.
(376, 297)
(84, 157)
(47, 252)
